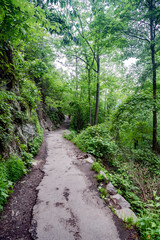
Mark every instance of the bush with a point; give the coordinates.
(5, 190)
(15, 168)
(27, 159)
(5, 185)
(97, 141)
(34, 146)
(10, 171)
(70, 136)
(96, 167)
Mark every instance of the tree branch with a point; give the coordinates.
(136, 36)
(86, 62)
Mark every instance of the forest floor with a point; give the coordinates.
(59, 200)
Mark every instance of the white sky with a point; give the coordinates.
(129, 62)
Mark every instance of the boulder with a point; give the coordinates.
(125, 213)
(89, 160)
(119, 200)
(111, 189)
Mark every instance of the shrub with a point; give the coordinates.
(97, 141)
(96, 167)
(5, 185)
(101, 178)
(5, 190)
(70, 136)
(27, 159)
(15, 168)
(34, 146)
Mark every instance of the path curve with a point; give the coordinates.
(68, 207)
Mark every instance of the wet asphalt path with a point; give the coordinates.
(67, 208)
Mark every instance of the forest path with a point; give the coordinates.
(68, 205)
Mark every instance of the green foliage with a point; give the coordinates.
(101, 178)
(12, 170)
(15, 168)
(5, 190)
(132, 122)
(34, 146)
(8, 114)
(37, 68)
(103, 192)
(55, 115)
(70, 136)
(96, 167)
(145, 157)
(149, 223)
(27, 159)
(129, 222)
(79, 117)
(123, 180)
(96, 140)
(30, 93)
(5, 184)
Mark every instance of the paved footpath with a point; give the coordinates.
(67, 207)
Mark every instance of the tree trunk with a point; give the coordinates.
(152, 47)
(76, 77)
(97, 92)
(154, 146)
(89, 96)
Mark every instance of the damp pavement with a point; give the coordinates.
(67, 207)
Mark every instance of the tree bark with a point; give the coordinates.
(152, 47)
(154, 146)
(76, 77)
(89, 96)
(97, 91)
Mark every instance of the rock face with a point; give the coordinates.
(44, 120)
(29, 131)
(111, 189)
(119, 200)
(125, 213)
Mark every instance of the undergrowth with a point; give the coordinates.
(135, 174)
(10, 172)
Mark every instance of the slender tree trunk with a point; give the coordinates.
(152, 47)
(105, 104)
(76, 77)
(89, 95)
(154, 100)
(97, 91)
